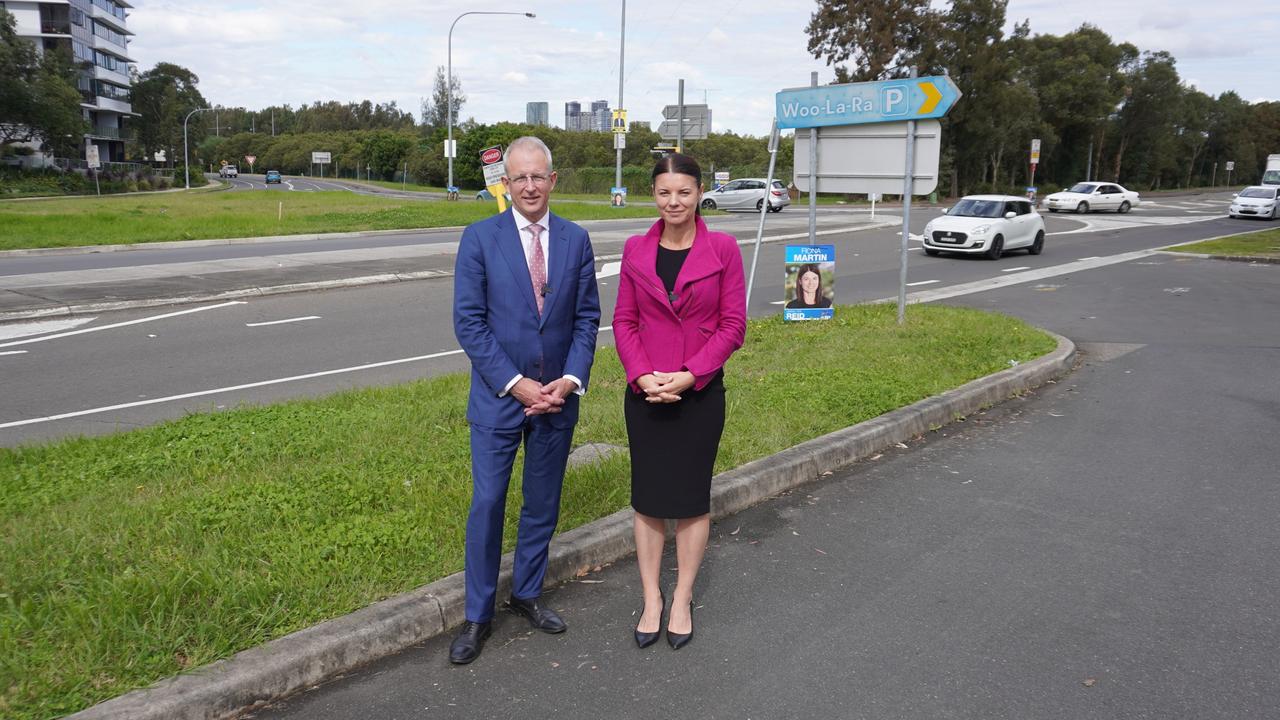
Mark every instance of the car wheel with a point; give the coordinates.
(1124, 207)
(1037, 247)
(759, 204)
(708, 204)
(1053, 210)
(1082, 208)
(775, 208)
(997, 248)
(931, 252)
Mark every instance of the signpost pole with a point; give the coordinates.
(622, 46)
(764, 209)
(680, 119)
(813, 173)
(907, 185)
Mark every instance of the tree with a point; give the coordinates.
(881, 37)
(435, 113)
(38, 97)
(163, 96)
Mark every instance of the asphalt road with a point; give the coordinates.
(133, 368)
(1103, 548)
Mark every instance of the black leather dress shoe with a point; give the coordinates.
(539, 616)
(469, 642)
(679, 640)
(645, 639)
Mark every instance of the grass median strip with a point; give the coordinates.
(132, 557)
(243, 213)
(1261, 244)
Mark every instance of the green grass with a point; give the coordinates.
(131, 557)
(203, 215)
(1262, 244)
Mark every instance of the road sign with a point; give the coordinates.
(619, 141)
(493, 166)
(1231, 165)
(250, 159)
(1035, 151)
(871, 102)
(321, 158)
(869, 158)
(451, 148)
(620, 121)
(91, 156)
(697, 122)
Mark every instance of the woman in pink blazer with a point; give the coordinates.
(681, 313)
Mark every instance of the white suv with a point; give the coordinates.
(229, 171)
(987, 225)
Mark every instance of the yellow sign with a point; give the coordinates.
(620, 121)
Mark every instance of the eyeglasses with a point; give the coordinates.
(538, 180)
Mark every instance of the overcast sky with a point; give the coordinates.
(735, 53)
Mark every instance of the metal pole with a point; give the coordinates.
(1088, 166)
(186, 155)
(622, 47)
(448, 81)
(764, 209)
(813, 173)
(908, 184)
(680, 119)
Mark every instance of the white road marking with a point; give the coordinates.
(609, 269)
(281, 322)
(233, 388)
(1091, 257)
(777, 302)
(1016, 269)
(923, 282)
(40, 327)
(123, 324)
(13, 352)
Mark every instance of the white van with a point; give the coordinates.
(1272, 175)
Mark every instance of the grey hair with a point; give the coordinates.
(529, 142)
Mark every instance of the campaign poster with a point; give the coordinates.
(618, 197)
(810, 285)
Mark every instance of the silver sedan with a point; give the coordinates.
(747, 194)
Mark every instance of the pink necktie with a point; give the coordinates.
(537, 265)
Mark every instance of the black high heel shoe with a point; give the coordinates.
(679, 640)
(645, 639)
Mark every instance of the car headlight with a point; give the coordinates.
(928, 229)
(980, 230)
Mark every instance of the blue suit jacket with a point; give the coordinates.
(495, 316)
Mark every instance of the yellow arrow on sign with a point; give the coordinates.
(932, 97)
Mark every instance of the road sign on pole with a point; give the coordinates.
(869, 158)
(697, 122)
(1035, 151)
(870, 102)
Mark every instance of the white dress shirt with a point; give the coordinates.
(526, 241)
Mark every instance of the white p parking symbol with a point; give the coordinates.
(893, 100)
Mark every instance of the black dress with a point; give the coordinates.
(673, 445)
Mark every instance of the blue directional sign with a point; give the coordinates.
(870, 102)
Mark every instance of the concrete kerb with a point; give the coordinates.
(267, 673)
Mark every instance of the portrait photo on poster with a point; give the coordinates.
(809, 288)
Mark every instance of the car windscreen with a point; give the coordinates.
(977, 208)
(1085, 188)
(1257, 192)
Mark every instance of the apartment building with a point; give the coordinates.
(535, 113)
(96, 34)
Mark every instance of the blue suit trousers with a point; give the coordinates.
(493, 453)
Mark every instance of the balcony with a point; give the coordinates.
(57, 29)
(111, 105)
(110, 133)
(119, 78)
(106, 17)
(105, 45)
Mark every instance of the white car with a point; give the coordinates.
(229, 171)
(747, 194)
(1088, 196)
(1256, 201)
(986, 225)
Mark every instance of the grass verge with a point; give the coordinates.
(1261, 244)
(128, 558)
(234, 214)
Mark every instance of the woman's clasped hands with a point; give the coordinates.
(663, 387)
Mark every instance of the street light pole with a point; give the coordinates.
(186, 155)
(622, 47)
(448, 82)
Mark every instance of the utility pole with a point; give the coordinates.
(622, 46)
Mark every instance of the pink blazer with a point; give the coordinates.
(697, 332)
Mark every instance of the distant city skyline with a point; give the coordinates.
(388, 50)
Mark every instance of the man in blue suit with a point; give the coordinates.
(526, 311)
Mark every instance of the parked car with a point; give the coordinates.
(273, 176)
(229, 171)
(1256, 201)
(484, 194)
(986, 225)
(1089, 196)
(747, 194)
